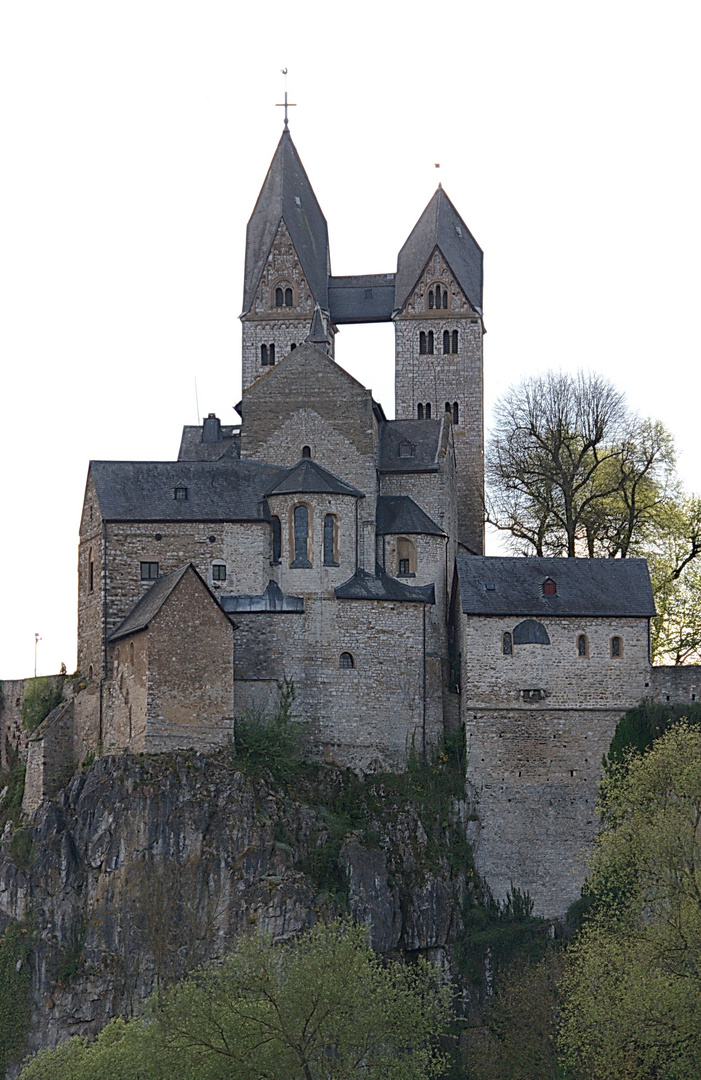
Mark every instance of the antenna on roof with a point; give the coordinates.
(285, 104)
(197, 403)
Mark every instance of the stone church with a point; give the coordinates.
(321, 542)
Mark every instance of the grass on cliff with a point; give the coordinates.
(15, 986)
(11, 789)
(40, 696)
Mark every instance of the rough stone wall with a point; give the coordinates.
(91, 643)
(538, 723)
(50, 760)
(434, 492)
(674, 684)
(190, 672)
(364, 717)
(266, 323)
(303, 581)
(441, 378)
(126, 695)
(13, 737)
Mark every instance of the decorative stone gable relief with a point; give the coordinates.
(437, 272)
(283, 270)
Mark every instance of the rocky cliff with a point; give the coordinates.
(141, 868)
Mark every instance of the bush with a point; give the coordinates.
(640, 727)
(40, 697)
(15, 983)
(272, 743)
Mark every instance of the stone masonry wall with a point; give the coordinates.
(91, 601)
(675, 684)
(305, 581)
(449, 377)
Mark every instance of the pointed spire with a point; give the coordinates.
(318, 334)
(440, 226)
(287, 195)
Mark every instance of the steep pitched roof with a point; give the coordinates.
(229, 490)
(365, 586)
(592, 587)
(309, 477)
(421, 437)
(145, 609)
(400, 514)
(440, 226)
(318, 334)
(287, 195)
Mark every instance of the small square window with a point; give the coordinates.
(219, 572)
(404, 568)
(368, 294)
(149, 571)
(180, 493)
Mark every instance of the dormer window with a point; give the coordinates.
(549, 587)
(406, 449)
(180, 494)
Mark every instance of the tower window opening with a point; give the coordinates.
(277, 538)
(330, 540)
(430, 299)
(445, 299)
(279, 297)
(507, 645)
(306, 451)
(288, 297)
(455, 341)
(456, 413)
(264, 355)
(420, 412)
(346, 661)
(448, 408)
(582, 645)
(446, 341)
(271, 353)
(301, 537)
(428, 410)
(422, 343)
(91, 571)
(429, 343)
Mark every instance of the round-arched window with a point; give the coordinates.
(346, 661)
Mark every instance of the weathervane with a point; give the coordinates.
(285, 104)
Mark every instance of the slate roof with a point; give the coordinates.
(287, 195)
(307, 477)
(193, 449)
(400, 514)
(592, 587)
(152, 601)
(365, 586)
(229, 490)
(440, 225)
(362, 298)
(273, 599)
(424, 436)
(317, 332)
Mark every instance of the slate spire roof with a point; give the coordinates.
(287, 196)
(318, 335)
(441, 226)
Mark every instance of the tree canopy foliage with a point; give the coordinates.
(320, 1008)
(633, 990)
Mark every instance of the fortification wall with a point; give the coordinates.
(675, 684)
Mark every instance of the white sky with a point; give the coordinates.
(135, 137)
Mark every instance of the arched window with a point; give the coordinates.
(422, 342)
(131, 655)
(306, 451)
(277, 538)
(406, 557)
(507, 645)
(549, 587)
(330, 540)
(446, 341)
(445, 299)
(346, 661)
(288, 297)
(420, 412)
(90, 669)
(428, 410)
(429, 343)
(455, 341)
(279, 297)
(91, 571)
(456, 413)
(271, 354)
(430, 299)
(616, 647)
(301, 537)
(448, 408)
(582, 645)
(264, 355)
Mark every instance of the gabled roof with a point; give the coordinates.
(361, 298)
(307, 477)
(193, 448)
(318, 334)
(273, 599)
(145, 609)
(400, 514)
(228, 490)
(586, 587)
(365, 586)
(287, 195)
(424, 444)
(440, 226)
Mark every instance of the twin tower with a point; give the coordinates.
(434, 300)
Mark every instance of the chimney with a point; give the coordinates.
(211, 429)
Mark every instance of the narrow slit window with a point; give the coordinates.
(429, 343)
(330, 540)
(448, 409)
(430, 299)
(288, 297)
(91, 571)
(279, 297)
(445, 299)
(456, 413)
(455, 341)
(446, 341)
(507, 644)
(422, 342)
(616, 647)
(582, 649)
(428, 410)
(420, 412)
(264, 355)
(277, 539)
(301, 537)
(271, 354)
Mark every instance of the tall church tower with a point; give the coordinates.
(438, 330)
(287, 265)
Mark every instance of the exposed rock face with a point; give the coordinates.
(141, 869)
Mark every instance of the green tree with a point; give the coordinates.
(633, 991)
(323, 1007)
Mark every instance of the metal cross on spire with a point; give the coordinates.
(285, 104)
